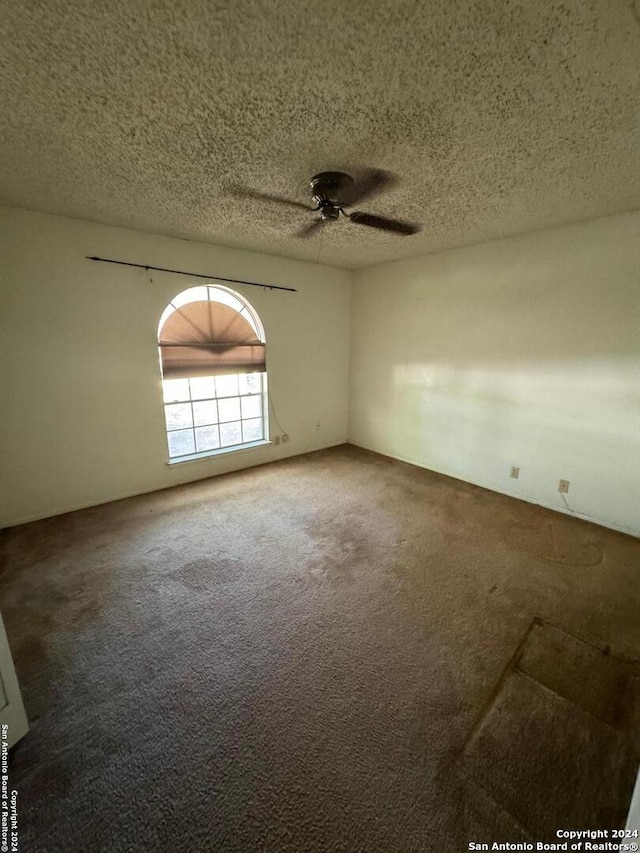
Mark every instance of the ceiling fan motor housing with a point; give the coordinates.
(330, 186)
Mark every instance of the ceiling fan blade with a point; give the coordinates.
(383, 224)
(243, 192)
(310, 229)
(368, 183)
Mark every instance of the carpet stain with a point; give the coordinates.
(203, 574)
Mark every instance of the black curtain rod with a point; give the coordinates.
(192, 274)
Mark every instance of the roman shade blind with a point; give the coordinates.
(208, 338)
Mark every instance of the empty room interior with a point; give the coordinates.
(320, 426)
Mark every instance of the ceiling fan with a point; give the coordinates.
(331, 192)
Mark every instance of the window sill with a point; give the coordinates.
(238, 448)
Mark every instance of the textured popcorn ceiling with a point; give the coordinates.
(498, 117)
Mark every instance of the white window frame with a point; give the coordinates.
(214, 293)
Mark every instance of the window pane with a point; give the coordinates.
(207, 438)
(217, 294)
(193, 294)
(205, 412)
(227, 386)
(181, 443)
(175, 389)
(203, 387)
(230, 434)
(178, 415)
(229, 409)
(252, 430)
(248, 316)
(250, 383)
(251, 407)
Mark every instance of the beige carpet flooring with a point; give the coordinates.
(337, 652)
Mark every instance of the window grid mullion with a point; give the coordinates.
(193, 419)
(241, 420)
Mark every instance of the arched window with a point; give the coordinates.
(214, 379)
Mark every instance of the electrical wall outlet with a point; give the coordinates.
(515, 472)
(285, 438)
(563, 486)
(276, 439)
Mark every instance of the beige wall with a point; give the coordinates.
(81, 419)
(524, 351)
